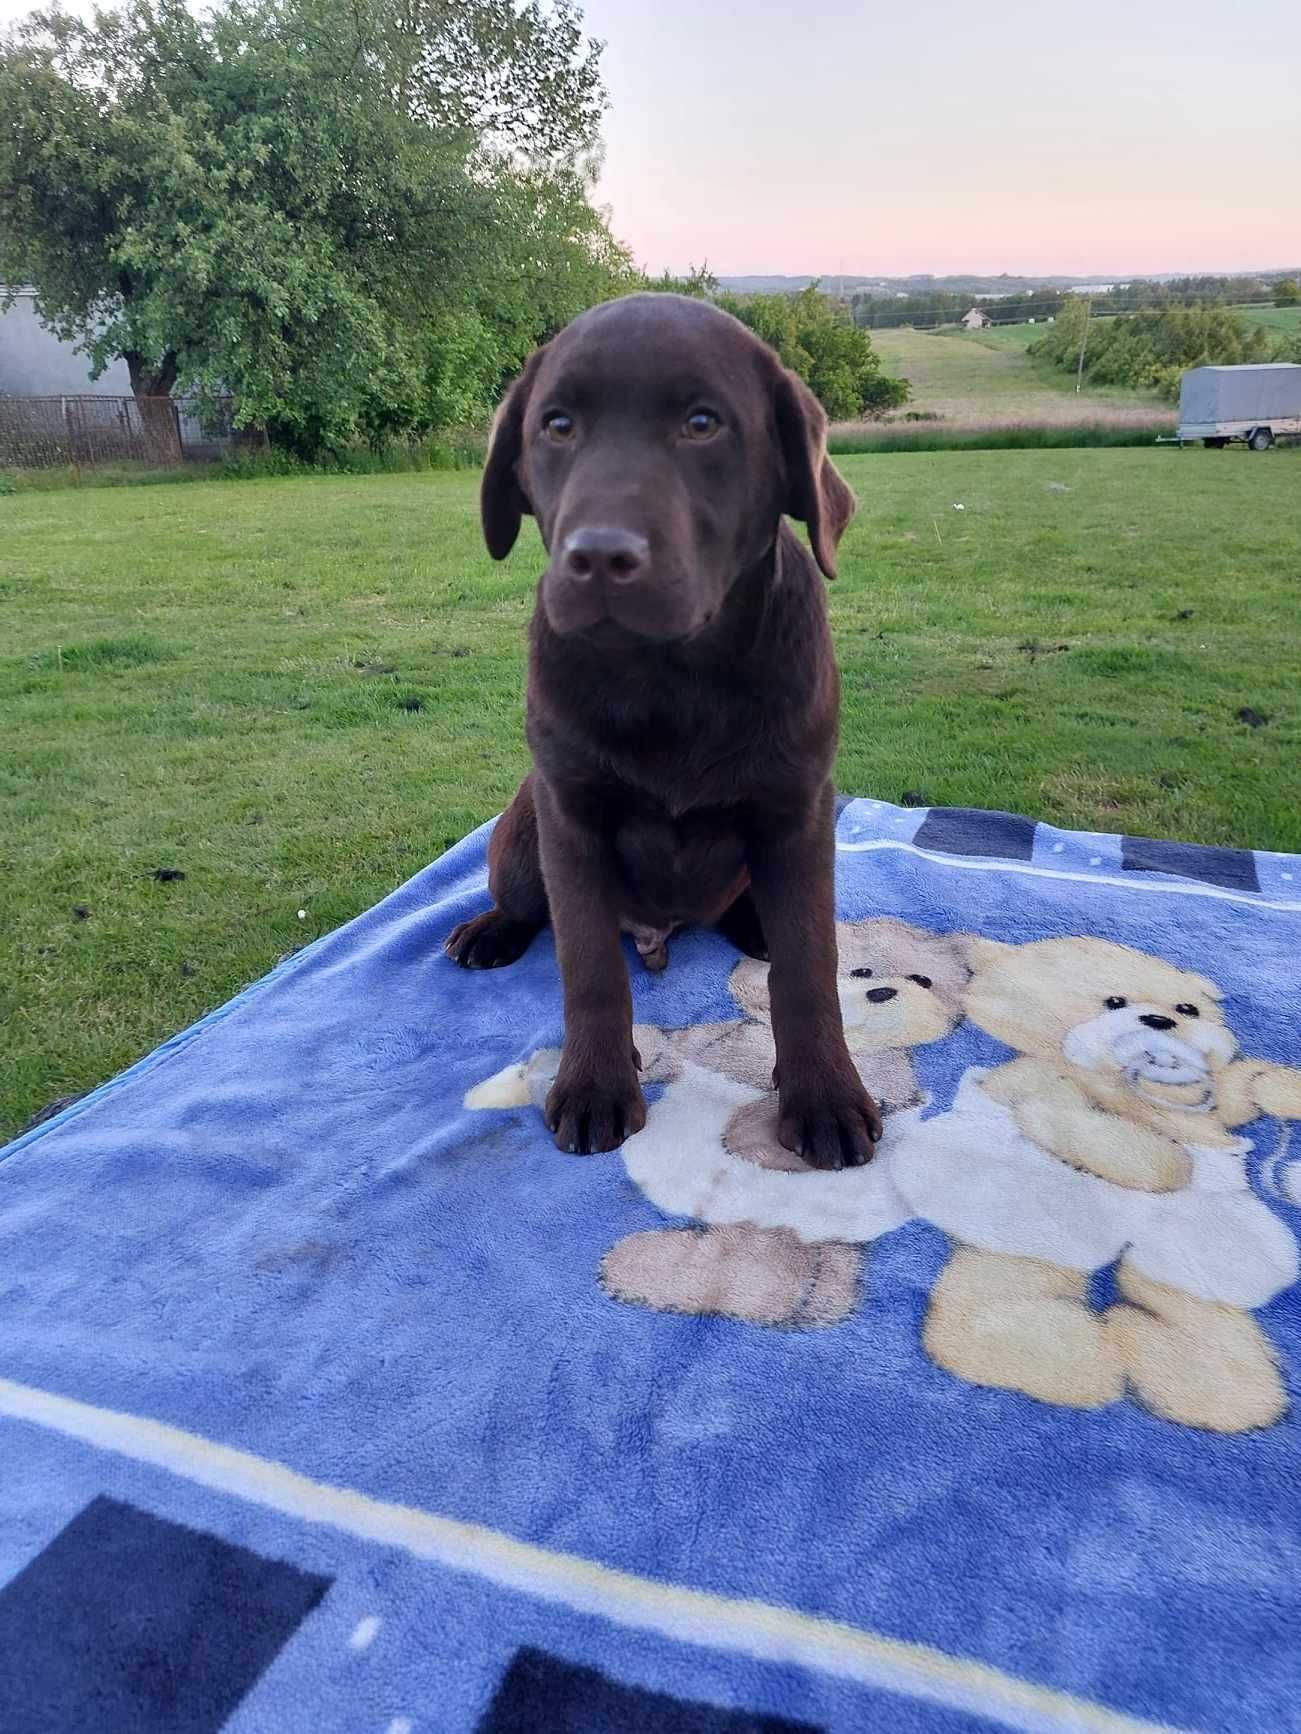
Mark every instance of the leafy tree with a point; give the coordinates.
(1287, 292)
(699, 282)
(814, 336)
(1151, 350)
(307, 204)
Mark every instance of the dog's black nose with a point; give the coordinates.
(609, 556)
(1156, 1022)
(882, 995)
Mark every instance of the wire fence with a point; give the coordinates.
(86, 431)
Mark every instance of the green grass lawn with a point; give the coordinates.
(1286, 320)
(987, 376)
(298, 692)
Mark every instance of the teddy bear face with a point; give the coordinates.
(1126, 1019)
(899, 986)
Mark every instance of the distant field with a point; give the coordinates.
(1284, 319)
(1003, 337)
(987, 377)
(296, 692)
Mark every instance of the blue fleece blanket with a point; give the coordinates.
(333, 1397)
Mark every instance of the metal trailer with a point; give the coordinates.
(1259, 403)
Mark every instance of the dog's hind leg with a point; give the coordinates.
(504, 933)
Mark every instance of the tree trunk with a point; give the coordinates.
(151, 385)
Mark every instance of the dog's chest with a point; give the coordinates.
(690, 744)
(678, 869)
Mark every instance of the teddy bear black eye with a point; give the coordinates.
(860, 974)
(921, 980)
(1115, 1003)
(1188, 1011)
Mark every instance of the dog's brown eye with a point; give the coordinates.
(1188, 1011)
(558, 426)
(921, 980)
(1115, 1003)
(701, 424)
(860, 974)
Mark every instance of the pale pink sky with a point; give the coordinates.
(1059, 136)
(942, 135)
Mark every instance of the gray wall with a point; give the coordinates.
(33, 362)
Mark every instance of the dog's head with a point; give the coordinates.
(658, 443)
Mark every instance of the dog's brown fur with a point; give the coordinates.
(682, 698)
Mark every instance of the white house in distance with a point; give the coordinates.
(35, 363)
(977, 319)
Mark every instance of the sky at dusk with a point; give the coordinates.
(1107, 137)
(940, 135)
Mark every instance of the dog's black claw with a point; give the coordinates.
(490, 941)
(585, 1120)
(832, 1134)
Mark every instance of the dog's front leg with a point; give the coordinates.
(825, 1114)
(596, 1101)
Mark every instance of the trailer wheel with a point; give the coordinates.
(1215, 445)
(1262, 438)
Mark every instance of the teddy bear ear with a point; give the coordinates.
(959, 947)
(851, 943)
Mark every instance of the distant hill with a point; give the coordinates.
(969, 284)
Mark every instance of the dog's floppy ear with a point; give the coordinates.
(502, 501)
(815, 493)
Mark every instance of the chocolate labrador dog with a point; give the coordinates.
(682, 699)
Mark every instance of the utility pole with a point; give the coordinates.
(1079, 372)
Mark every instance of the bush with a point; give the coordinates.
(447, 451)
(465, 361)
(817, 339)
(1151, 351)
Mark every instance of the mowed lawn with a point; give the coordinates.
(296, 693)
(987, 377)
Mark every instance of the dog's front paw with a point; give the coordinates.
(489, 941)
(587, 1114)
(830, 1124)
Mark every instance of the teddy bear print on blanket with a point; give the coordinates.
(1112, 1141)
(1109, 1141)
(775, 1243)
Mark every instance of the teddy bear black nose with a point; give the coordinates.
(1155, 1022)
(879, 995)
